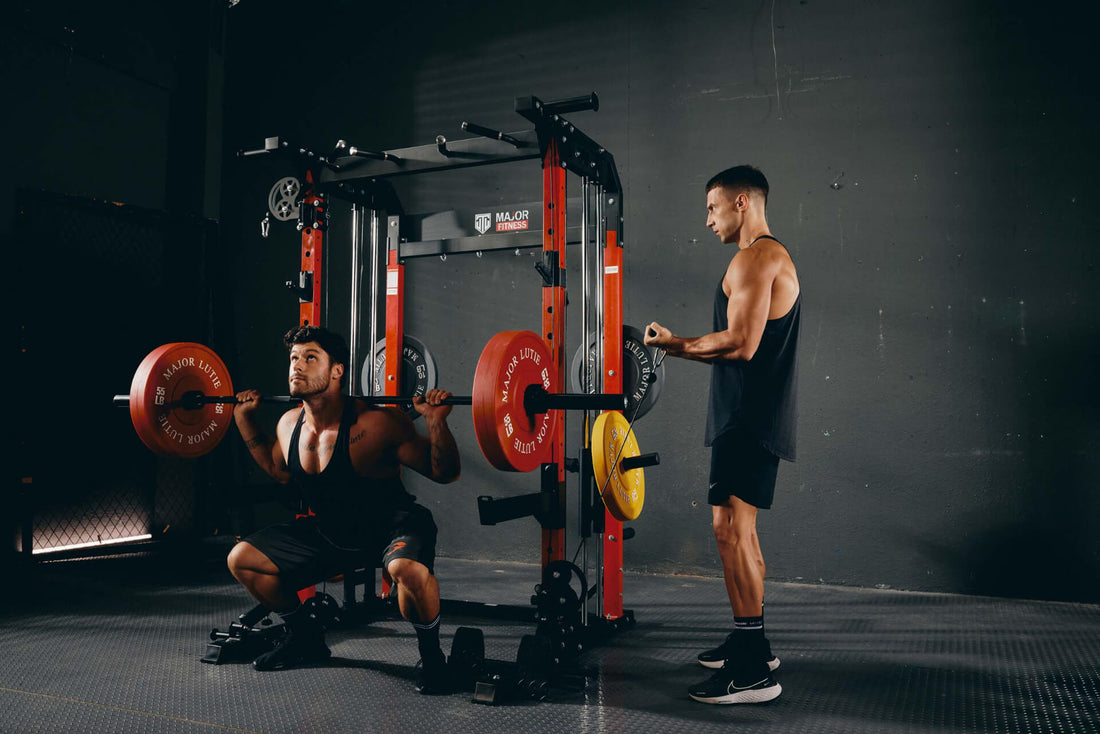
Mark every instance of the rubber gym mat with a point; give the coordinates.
(113, 645)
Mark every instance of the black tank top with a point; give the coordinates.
(347, 506)
(758, 396)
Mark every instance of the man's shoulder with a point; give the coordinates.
(759, 260)
(381, 417)
(290, 417)
(773, 248)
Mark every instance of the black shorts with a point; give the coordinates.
(741, 467)
(305, 556)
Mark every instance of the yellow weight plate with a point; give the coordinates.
(613, 441)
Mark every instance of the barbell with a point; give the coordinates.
(180, 392)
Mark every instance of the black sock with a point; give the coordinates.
(749, 632)
(427, 639)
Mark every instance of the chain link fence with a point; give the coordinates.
(100, 285)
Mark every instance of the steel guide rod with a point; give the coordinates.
(356, 283)
(374, 238)
(326, 303)
(562, 200)
(586, 383)
(600, 326)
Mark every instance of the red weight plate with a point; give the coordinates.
(162, 378)
(510, 438)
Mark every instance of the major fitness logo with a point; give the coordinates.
(507, 221)
(482, 222)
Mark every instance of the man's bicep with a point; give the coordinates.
(415, 453)
(750, 284)
(413, 450)
(278, 457)
(283, 430)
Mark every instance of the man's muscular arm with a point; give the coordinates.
(749, 280)
(435, 456)
(264, 450)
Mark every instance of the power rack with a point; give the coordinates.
(364, 178)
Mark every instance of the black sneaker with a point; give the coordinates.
(740, 684)
(297, 647)
(727, 651)
(434, 678)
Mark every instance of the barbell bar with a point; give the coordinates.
(535, 400)
(179, 392)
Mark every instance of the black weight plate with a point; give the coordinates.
(637, 363)
(418, 374)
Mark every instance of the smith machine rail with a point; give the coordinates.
(363, 178)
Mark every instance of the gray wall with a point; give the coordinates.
(110, 102)
(86, 104)
(930, 175)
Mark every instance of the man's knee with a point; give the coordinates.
(732, 537)
(246, 557)
(237, 554)
(410, 574)
(735, 526)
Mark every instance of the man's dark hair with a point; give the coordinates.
(333, 344)
(738, 179)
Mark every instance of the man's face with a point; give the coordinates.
(723, 217)
(311, 370)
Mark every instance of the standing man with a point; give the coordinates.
(751, 418)
(345, 456)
